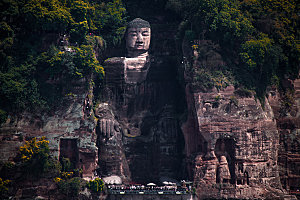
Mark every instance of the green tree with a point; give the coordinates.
(110, 20)
(4, 188)
(34, 69)
(259, 39)
(96, 185)
(279, 20)
(261, 57)
(45, 15)
(35, 155)
(71, 187)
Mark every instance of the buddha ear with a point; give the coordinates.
(125, 34)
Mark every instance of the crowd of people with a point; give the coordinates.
(141, 189)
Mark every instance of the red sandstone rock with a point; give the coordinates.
(288, 125)
(240, 144)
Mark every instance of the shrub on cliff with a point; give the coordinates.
(76, 63)
(71, 187)
(96, 185)
(34, 155)
(3, 116)
(4, 187)
(204, 79)
(63, 67)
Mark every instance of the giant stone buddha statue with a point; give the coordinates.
(137, 131)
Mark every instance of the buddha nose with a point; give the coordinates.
(139, 38)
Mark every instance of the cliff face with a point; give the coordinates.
(70, 130)
(231, 141)
(286, 109)
(235, 148)
(147, 127)
(237, 145)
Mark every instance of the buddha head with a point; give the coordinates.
(138, 37)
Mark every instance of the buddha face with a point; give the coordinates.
(138, 39)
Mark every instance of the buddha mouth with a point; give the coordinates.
(139, 46)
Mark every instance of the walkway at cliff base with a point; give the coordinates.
(115, 187)
(140, 189)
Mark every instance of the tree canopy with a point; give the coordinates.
(47, 39)
(43, 40)
(259, 40)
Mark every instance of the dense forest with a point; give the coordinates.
(258, 40)
(42, 41)
(50, 39)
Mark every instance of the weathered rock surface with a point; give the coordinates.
(288, 125)
(70, 130)
(237, 145)
(227, 144)
(145, 115)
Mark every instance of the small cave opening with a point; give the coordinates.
(225, 152)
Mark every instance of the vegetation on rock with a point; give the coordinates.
(258, 40)
(71, 187)
(34, 163)
(44, 44)
(4, 187)
(35, 155)
(59, 40)
(96, 185)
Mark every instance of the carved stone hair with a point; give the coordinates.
(138, 23)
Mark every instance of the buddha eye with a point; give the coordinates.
(145, 33)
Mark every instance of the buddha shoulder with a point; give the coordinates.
(114, 61)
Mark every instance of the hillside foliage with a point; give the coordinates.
(46, 43)
(35, 154)
(259, 40)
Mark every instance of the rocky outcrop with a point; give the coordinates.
(70, 130)
(286, 106)
(147, 127)
(231, 140)
(239, 143)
